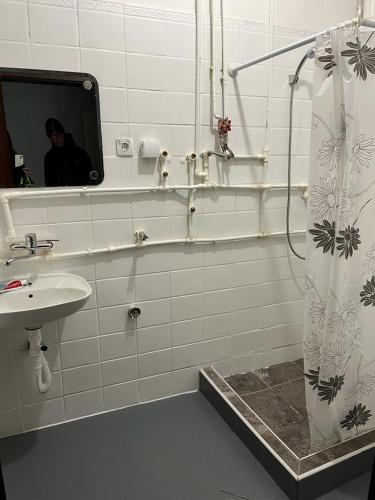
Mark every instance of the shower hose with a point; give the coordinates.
(294, 79)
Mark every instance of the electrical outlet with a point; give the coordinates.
(124, 146)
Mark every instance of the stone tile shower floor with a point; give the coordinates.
(277, 396)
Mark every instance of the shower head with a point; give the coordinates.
(293, 79)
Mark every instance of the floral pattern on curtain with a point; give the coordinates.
(339, 336)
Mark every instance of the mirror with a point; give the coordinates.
(49, 129)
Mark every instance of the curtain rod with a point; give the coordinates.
(233, 70)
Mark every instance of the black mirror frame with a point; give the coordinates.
(59, 77)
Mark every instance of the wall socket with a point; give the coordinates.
(124, 146)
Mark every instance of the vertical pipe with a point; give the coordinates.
(198, 54)
(214, 115)
(7, 217)
(360, 8)
(263, 196)
(198, 16)
(223, 58)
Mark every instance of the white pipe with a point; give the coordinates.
(191, 162)
(133, 246)
(261, 157)
(198, 16)
(263, 196)
(214, 115)
(5, 197)
(223, 58)
(197, 131)
(7, 217)
(233, 71)
(176, 187)
(263, 193)
(40, 371)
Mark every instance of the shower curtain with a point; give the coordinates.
(339, 336)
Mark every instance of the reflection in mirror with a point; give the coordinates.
(49, 129)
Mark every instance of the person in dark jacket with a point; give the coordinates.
(20, 173)
(65, 164)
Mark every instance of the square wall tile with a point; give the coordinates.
(81, 379)
(153, 363)
(11, 422)
(147, 107)
(73, 236)
(79, 353)
(15, 55)
(55, 58)
(154, 312)
(185, 282)
(8, 395)
(152, 286)
(7, 366)
(113, 108)
(180, 75)
(151, 260)
(154, 338)
(81, 325)
(53, 25)
(107, 67)
(112, 232)
(13, 21)
(84, 403)
(114, 265)
(145, 36)
(119, 370)
(120, 395)
(115, 291)
(156, 387)
(118, 345)
(187, 355)
(115, 206)
(186, 307)
(180, 39)
(67, 209)
(187, 332)
(185, 380)
(222, 325)
(115, 319)
(145, 72)
(41, 414)
(180, 108)
(101, 30)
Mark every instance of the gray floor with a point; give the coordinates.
(176, 449)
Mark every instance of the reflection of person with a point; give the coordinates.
(65, 164)
(20, 173)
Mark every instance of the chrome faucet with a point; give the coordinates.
(31, 244)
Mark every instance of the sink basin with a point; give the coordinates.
(50, 297)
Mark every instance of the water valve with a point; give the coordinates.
(141, 236)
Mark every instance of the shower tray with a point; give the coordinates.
(266, 408)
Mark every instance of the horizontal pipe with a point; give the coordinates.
(65, 192)
(233, 70)
(250, 157)
(133, 246)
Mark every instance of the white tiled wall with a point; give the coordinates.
(234, 305)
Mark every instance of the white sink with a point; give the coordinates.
(48, 298)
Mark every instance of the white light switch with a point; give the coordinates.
(124, 146)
